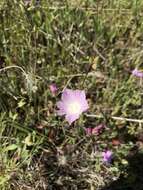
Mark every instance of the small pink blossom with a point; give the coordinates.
(107, 156)
(53, 88)
(72, 104)
(88, 131)
(96, 130)
(137, 73)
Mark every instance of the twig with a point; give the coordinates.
(116, 118)
(13, 66)
(95, 74)
(98, 53)
(127, 11)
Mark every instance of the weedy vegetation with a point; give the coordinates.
(90, 45)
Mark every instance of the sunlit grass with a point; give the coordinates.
(90, 45)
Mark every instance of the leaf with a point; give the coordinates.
(28, 141)
(11, 147)
(95, 63)
(21, 103)
(13, 116)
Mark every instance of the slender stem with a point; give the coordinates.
(128, 11)
(116, 118)
(13, 66)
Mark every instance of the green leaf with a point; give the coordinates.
(11, 147)
(21, 103)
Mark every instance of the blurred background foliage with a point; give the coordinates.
(90, 44)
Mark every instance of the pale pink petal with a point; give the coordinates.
(108, 153)
(60, 104)
(137, 73)
(107, 156)
(61, 110)
(72, 104)
(95, 131)
(81, 97)
(85, 106)
(71, 118)
(98, 129)
(67, 95)
(53, 88)
(88, 131)
(80, 94)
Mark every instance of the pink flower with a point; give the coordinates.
(72, 104)
(107, 156)
(88, 131)
(96, 130)
(137, 73)
(53, 88)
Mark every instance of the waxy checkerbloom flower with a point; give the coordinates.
(137, 73)
(72, 104)
(96, 130)
(107, 156)
(53, 88)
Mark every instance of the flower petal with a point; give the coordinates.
(60, 104)
(88, 131)
(71, 118)
(137, 73)
(108, 153)
(80, 94)
(61, 107)
(72, 104)
(67, 94)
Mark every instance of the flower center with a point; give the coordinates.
(74, 108)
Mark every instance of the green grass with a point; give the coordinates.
(90, 45)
